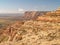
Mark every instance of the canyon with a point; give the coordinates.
(33, 28)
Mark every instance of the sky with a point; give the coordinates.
(19, 6)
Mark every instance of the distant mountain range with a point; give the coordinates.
(10, 14)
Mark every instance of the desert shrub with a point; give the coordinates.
(3, 38)
(51, 36)
(22, 32)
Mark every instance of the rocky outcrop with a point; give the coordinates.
(53, 16)
(10, 33)
(37, 33)
(32, 15)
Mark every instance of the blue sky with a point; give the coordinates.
(15, 6)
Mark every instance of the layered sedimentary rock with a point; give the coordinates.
(53, 16)
(33, 14)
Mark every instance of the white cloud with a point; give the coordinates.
(12, 10)
(21, 10)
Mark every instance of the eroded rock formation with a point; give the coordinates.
(53, 16)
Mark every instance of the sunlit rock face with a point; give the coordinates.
(52, 16)
(32, 15)
(54, 13)
(58, 11)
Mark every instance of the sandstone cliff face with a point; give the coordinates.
(33, 14)
(53, 16)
